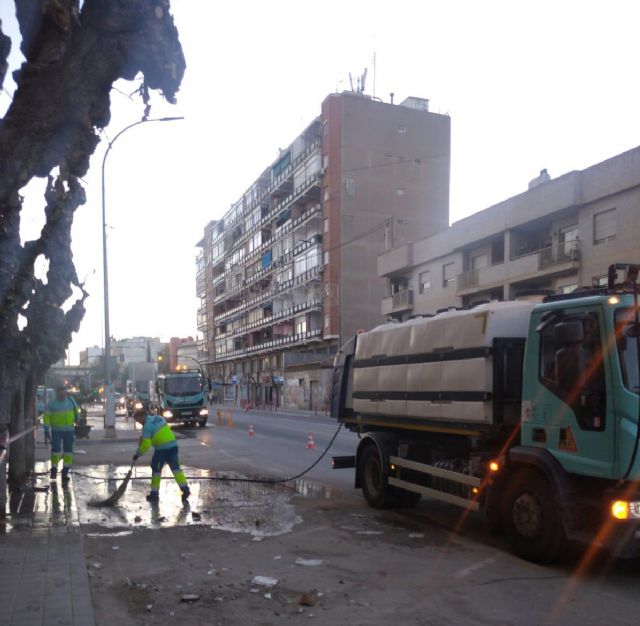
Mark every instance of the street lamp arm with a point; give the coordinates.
(185, 356)
(126, 128)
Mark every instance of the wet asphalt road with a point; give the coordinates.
(278, 446)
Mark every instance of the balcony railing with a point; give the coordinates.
(302, 188)
(468, 280)
(288, 313)
(273, 344)
(399, 301)
(311, 274)
(564, 252)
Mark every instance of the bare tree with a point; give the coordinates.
(74, 53)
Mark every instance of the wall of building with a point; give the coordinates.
(396, 161)
(531, 232)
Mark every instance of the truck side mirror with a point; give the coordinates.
(633, 331)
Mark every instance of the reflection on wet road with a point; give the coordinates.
(219, 501)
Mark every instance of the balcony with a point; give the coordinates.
(400, 301)
(396, 261)
(289, 313)
(480, 278)
(315, 273)
(559, 259)
(564, 253)
(272, 345)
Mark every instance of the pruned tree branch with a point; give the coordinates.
(5, 48)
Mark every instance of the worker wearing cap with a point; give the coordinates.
(157, 433)
(60, 417)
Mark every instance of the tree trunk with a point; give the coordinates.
(74, 53)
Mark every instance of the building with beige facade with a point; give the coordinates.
(559, 235)
(289, 271)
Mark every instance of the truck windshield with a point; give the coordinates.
(182, 386)
(628, 349)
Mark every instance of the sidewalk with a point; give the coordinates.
(43, 575)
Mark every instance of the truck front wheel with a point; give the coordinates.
(532, 518)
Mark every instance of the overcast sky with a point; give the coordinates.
(528, 85)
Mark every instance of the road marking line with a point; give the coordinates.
(472, 568)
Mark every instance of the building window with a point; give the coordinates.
(604, 226)
(326, 321)
(567, 289)
(424, 281)
(325, 128)
(479, 261)
(568, 237)
(326, 258)
(326, 193)
(448, 275)
(399, 284)
(325, 161)
(326, 225)
(350, 187)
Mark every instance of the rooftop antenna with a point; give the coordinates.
(374, 74)
(351, 81)
(364, 77)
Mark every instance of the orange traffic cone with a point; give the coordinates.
(251, 433)
(310, 443)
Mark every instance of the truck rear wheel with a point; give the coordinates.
(532, 519)
(375, 487)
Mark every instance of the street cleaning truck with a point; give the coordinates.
(140, 387)
(181, 397)
(524, 410)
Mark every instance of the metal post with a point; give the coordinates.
(109, 405)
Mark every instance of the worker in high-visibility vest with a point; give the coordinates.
(157, 433)
(60, 418)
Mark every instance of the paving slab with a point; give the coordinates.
(43, 575)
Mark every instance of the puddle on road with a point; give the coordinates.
(217, 501)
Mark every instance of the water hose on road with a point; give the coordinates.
(266, 481)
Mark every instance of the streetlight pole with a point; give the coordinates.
(109, 407)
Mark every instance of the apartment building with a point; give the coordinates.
(289, 271)
(559, 235)
(136, 349)
(90, 356)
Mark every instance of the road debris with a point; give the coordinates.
(308, 598)
(309, 562)
(264, 581)
(189, 597)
